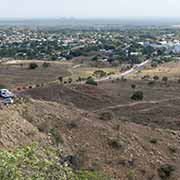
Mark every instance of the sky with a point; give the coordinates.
(89, 8)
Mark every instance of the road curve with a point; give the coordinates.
(130, 71)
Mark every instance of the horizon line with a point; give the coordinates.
(92, 18)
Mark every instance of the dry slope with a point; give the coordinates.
(124, 150)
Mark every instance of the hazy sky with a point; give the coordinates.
(89, 8)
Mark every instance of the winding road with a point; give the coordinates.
(126, 73)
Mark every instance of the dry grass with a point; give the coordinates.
(19, 75)
(171, 70)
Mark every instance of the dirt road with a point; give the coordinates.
(126, 73)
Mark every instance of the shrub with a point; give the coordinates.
(131, 175)
(165, 79)
(138, 95)
(110, 73)
(56, 136)
(95, 58)
(46, 65)
(153, 140)
(79, 79)
(133, 86)
(154, 64)
(106, 116)
(91, 81)
(33, 66)
(151, 83)
(165, 171)
(70, 80)
(99, 73)
(116, 143)
(156, 78)
(60, 79)
(146, 77)
(90, 77)
(172, 149)
(123, 79)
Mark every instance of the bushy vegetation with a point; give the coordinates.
(35, 163)
(26, 163)
(137, 96)
(156, 77)
(166, 170)
(70, 80)
(56, 136)
(133, 86)
(106, 116)
(33, 66)
(165, 79)
(151, 83)
(60, 79)
(172, 149)
(91, 81)
(153, 140)
(46, 65)
(99, 73)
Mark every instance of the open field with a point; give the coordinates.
(18, 74)
(171, 70)
(88, 71)
(161, 101)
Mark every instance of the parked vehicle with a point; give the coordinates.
(7, 101)
(5, 93)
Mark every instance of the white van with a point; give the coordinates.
(5, 93)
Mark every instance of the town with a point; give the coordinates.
(115, 47)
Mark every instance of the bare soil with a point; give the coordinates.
(159, 108)
(118, 148)
(19, 75)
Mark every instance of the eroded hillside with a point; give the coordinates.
(123, 150)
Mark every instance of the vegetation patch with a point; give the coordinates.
(165, 171)
(137, 96)
(91, 81)
(33, 66)
(106, 116)
(35, 163)
(56, 136)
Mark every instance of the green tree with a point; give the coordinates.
(33, 66)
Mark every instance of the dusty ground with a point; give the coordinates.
(102, 125)
(159, 108)
(118, 148)
(18, 75)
